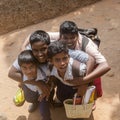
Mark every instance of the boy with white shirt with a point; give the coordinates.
(28, 65)
(58, 55)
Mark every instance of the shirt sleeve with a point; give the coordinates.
(16, 65)
(54, 36)
(93, 51)
(83, 69)
(79, 55)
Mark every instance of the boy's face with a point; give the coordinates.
(70, 39)
(30, 70)
(39, 50)
(60, 61)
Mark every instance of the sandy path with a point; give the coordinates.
(104, 15)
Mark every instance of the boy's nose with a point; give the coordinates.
(28, 71)
(40, 53)
(62, 62)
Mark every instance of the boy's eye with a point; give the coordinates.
(65, 58)
(62, 59)
(57, 60)
(40, 50)
(43, 49)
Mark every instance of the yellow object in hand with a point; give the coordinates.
(19, 98)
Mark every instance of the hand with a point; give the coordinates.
(42, 85)
(82, 90)
(20, 85)
(45, 89)
(41, 97)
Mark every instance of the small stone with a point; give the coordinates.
(3, 116)
(110, 74)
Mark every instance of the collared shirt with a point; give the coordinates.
(68, 73)
(40, 76)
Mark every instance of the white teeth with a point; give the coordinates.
(69, 44)
(41, 57)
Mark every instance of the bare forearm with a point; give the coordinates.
(17, 77)
(14, 74)
(78, 81)
(100, 70)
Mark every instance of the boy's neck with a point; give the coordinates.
(61, 74)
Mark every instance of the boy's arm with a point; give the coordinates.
(102, 65)
(100, 70)
(14, 74)
(25, 43)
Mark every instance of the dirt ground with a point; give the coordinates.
(104, 15)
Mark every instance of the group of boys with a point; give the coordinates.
(52, 57)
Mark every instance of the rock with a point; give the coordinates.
(15, 14)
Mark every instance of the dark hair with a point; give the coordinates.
(39, 35)
(68, 27)
(26, 56)
(57, 47)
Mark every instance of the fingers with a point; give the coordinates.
(20, 85)
(42, 96)
(81, 90)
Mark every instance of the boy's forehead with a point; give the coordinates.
(61, 54)
(27, 64)
(39, 44)
(69, 35)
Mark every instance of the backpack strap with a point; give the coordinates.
(75, 68)
(84, 42)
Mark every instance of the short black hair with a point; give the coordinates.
(27, 57)
(39, 35)
(57, 47)
(68, 27)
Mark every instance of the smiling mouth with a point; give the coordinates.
(41, 57)
(62, 68)
(69, 44)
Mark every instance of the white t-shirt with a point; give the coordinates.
(68, 73)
